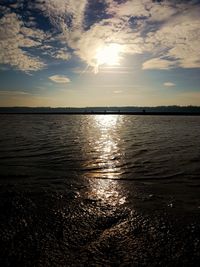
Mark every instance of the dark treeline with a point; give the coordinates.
(158, 109)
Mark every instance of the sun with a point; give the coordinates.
(109, 55)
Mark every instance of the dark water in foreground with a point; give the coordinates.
(113, 190)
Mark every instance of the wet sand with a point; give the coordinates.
(68, 228)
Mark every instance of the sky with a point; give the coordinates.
(67, 53)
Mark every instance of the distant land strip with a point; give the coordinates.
(162, 110)
(106, 113)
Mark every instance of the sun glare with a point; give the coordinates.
(109, 54)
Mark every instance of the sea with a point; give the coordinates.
(76, 189)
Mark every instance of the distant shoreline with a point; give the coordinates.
(129, 110)
(146, 113)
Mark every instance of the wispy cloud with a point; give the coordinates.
(169, 84)
(13, 93)
(158, 63)
(118, 92)
(59, 79)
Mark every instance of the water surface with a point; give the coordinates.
(99, 190)
(108, 154)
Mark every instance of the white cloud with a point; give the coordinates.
(169, 84)
(61, 53)
(85, 43)
(59, 79)
(13, 38)
(179, 38)
(174, 43)
(168, 31)
(105, 32)
(157, 63)
(130, 8)
(176, 36)
(162, 11)
(118, 91)
(62, 12)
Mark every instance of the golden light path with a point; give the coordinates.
(104, 185)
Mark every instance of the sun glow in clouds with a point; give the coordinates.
(109, 55)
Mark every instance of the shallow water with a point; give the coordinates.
(100, 152)
(106, 190)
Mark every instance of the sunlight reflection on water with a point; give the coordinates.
(103, 181)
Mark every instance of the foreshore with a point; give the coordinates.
(48, 228)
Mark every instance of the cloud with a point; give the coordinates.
(14, 37)
(161, 12)
(117, 91)
(13, 93)
(66, 15)
(59, 79)
(61, 54)
(87, 44)
(21, 46)
(173, 41)
(167, 31)
(130, 8)
(179, 37)
(169, 84)
(157, 63)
